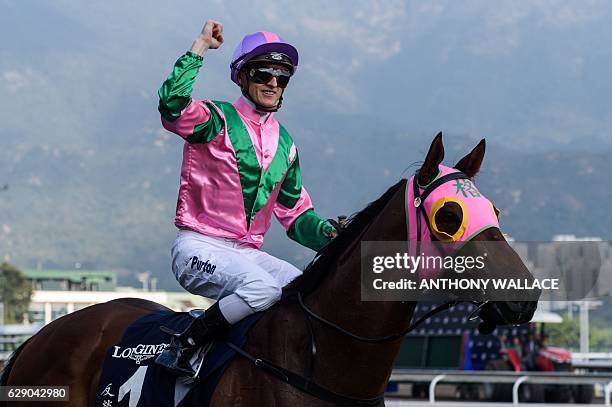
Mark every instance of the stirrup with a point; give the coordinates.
(175, 359)
(172, 356)
(199, 334)
(201, 353)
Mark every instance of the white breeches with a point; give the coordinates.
(216, 268)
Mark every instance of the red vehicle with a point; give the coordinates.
(536, 356)
(450, 341)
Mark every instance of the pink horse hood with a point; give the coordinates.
(478, 212)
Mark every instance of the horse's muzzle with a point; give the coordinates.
(506, 313)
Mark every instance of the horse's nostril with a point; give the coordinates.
(518, 312)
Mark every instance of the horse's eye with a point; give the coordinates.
(447, 216)
(447, 220)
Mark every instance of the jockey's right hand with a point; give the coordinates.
(210, 37)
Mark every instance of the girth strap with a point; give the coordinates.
(306, 385)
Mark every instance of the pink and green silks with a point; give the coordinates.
(239, 167)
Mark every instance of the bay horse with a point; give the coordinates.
(69, 351)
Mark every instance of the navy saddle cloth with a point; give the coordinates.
(130, 377)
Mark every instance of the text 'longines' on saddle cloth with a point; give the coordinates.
(130, 377)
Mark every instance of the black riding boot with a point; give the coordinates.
(182, 345)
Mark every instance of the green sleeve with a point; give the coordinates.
(310, 230)
(175, 96)
(175, 92)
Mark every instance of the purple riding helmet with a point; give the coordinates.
(263, 46)
(260, 43)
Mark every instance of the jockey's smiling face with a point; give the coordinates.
(266, 83)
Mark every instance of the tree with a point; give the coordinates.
(15, 293)
(565, 335)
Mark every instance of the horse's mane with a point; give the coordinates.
(321, 264)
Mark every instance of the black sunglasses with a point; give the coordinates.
(264, 75)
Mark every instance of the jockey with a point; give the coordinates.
(240, 166)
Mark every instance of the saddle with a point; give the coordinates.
(130, 378)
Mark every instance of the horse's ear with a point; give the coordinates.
(470, 164)
(434, 158)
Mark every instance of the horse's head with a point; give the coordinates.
(444, 205)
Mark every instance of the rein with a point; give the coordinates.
(304, 382)
(380, 339)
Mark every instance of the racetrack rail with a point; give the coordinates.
(434, 377)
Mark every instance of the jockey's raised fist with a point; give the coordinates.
(212, 34)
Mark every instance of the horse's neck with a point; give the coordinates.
(338, 299)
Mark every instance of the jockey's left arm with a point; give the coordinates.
(294, 211)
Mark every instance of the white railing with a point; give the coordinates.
(12, 336)
(591, 355)
(434, 377)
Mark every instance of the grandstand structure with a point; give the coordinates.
(60, 292)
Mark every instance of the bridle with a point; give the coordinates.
(304, 382)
